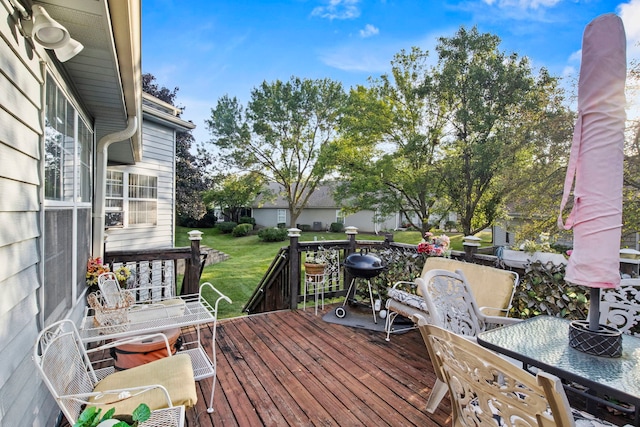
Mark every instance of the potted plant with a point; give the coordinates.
(95, 268)
(90, 417)
(315, 262)
(531, 251)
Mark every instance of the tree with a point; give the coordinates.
(234, 193)
(493, 105)
(151, 87)
(392, 134)
(287, 135)
(631, 191)
(191, 177)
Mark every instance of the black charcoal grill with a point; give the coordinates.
(361, 266)
(364, 266)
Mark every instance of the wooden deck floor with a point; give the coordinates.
(292, 368)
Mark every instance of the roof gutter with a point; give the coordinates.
(102, 152)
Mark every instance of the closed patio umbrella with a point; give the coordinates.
(595, 164)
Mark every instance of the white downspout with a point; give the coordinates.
(101, 181)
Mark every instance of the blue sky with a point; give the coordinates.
(209, 48)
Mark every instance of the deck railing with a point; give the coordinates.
(158, 269)
(282, 287)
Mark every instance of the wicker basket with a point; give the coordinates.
(111, 319)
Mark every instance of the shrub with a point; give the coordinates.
(247, 220)
(336, 227)
(272, 234)
(208, 220)
(304, 227)
(282, 225)
(226, 227)
(242, 230)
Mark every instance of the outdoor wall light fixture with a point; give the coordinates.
(50, 34)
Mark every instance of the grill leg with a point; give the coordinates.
(373, 309)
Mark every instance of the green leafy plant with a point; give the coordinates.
(541, 245)
(242, 230)
(542, 290)
(226, 227)
(272, 234)
(90, 417)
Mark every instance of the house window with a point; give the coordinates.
(340, 216)
(114, 199)
(282, 216)
(68, 143)
(143, 199)
(137, 206)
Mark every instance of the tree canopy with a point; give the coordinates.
(391, 144)
(462, 136)
(286, 134)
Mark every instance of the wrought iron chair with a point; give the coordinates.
(451, 305)
(487, 390)
(493, 289)
(620, 307)
(165, 385)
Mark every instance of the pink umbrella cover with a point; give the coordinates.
(596, 158)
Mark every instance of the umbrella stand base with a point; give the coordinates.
(605, 342)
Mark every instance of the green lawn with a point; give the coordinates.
(249, 259)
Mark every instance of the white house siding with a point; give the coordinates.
(325, 216)
(158, 159)
(267, 217)
(364, 220)
(22, 401)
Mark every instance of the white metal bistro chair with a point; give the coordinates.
(165, 385)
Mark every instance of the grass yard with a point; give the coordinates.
(249, 259)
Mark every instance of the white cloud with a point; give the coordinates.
(358, 60)
(522, 4)
(338, 9)
(576, 56)
(368, 31)
(630, 15)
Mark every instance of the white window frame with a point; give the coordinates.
(132, 195)
(75, 140)
(340, 216)
(142, 190)
(281, 216)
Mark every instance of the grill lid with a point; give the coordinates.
(363, 265)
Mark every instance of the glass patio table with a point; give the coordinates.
(543, 342)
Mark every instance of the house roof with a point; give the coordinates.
(322, 198)
(158, 111)
(106, 74)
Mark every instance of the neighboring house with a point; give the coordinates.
(61, 123)
(140, 198)
(320, 212)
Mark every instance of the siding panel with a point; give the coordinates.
(18, 226)
(17, 196)
(17, 166)
(20, 106)
(18, 257)
(15, 134)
